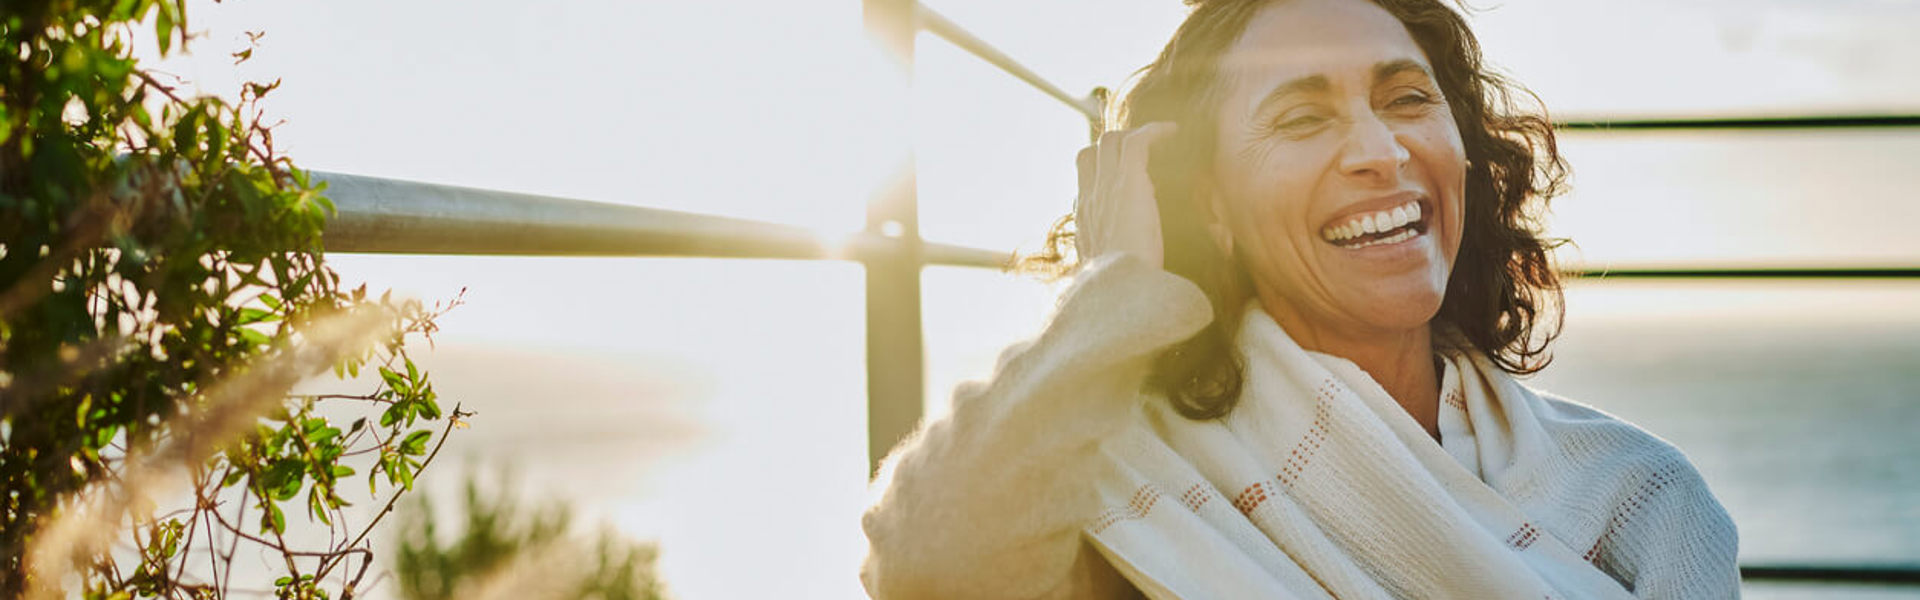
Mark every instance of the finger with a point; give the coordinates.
(1087, 162)
(1109, 148)
(1084, 161)
(1107, 176)
(1134, 149)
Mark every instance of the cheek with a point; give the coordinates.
(1442, 156)
(1273, 207)
(1269, 188)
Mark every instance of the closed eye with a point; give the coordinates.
(1298, 123)
(1414, 99)
(1301, 122)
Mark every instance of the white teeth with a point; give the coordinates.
(1375, 222)
(1392, 239)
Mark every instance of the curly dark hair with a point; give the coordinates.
(1504, 295)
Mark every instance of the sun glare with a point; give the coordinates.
(718, 406)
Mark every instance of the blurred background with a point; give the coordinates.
(718, 406)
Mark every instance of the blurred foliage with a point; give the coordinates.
(506, 550)
(162, 288)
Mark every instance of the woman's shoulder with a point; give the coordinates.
(1560, 412)
(1584, 429)
(1601, 457)
(1642, 511)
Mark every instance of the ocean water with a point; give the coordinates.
(1797, 400)
(1800, 416)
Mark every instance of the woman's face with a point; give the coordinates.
(1338, 169)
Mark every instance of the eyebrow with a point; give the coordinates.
(1319, 83)
(1310, 83)
(1387, 70)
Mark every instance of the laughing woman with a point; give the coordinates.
(1285, 367)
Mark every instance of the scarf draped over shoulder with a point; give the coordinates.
(1317, 485)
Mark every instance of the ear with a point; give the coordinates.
(1214, 209)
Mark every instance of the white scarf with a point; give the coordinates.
(1319, 485)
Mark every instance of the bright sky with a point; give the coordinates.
(783, 111)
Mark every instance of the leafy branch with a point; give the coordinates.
(162, 289)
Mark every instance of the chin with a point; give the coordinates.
(1403, 305)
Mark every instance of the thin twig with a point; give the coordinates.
(453, 419)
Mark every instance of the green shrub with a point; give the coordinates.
(506, 550)
(162, 288)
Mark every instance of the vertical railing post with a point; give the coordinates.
(895, 390)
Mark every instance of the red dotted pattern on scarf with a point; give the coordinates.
(1142, 502)
(1624, 514)
(1525, 536)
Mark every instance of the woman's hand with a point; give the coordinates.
(1116, 211)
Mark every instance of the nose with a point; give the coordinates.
(1372, 150)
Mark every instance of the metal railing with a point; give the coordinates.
(390, 216)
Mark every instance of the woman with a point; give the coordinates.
(1285, 366)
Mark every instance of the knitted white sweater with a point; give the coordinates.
(1058, 478)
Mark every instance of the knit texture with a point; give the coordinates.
(1058, 478)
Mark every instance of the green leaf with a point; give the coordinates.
(184, 130)
(394, 381)
(317, 506)
(426, 405)
(253, 337)
(392, 415)
(216, 137)
(169, 538)
(416, 442)
(299, 286)
(163, 28)
(283, 480)
(272, 519)
(323, 436)
(254, 315)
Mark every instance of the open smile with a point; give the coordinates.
(1392, 225)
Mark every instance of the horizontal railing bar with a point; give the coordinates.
(1884, 574)
(1749, 273)
(933, 22)
(390, 216)
(1783, 122)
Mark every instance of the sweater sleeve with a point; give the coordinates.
(990, 500)
(1702, 547)
(1673, 540)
